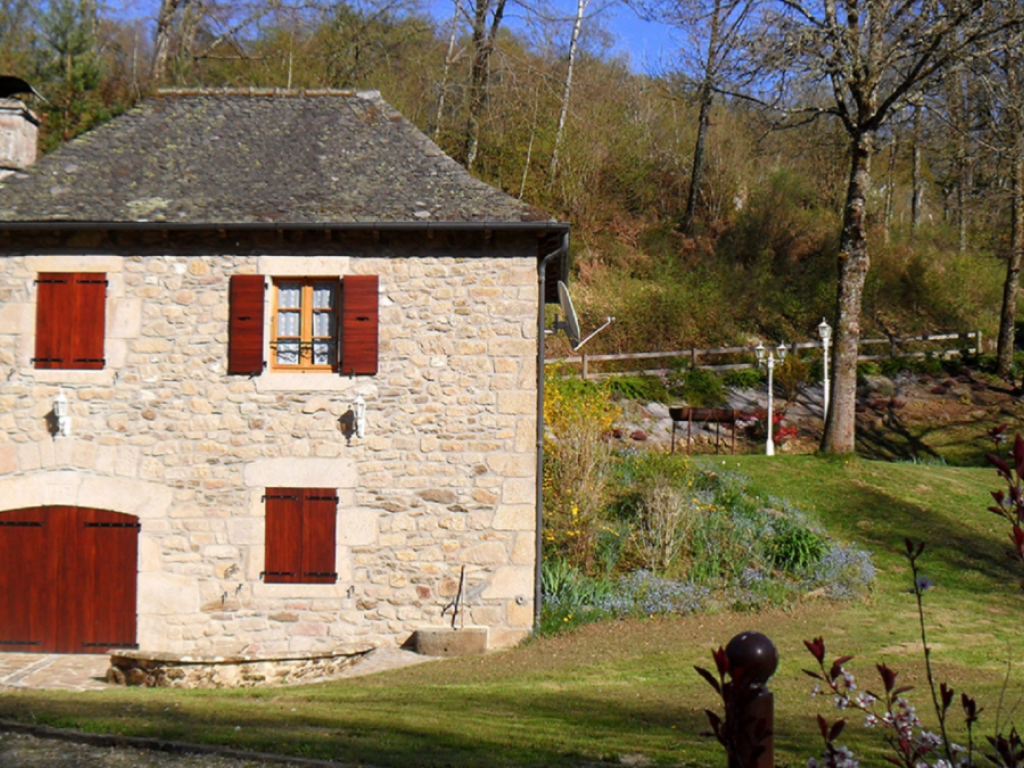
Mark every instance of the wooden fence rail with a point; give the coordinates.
(969, 341)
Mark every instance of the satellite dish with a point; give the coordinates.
(571, 324)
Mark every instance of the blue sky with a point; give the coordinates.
(647, 46)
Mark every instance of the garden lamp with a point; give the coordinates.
(768, 356)
(825, 332)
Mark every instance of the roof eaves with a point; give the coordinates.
(378, 226)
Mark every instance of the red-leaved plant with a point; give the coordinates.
(1010, 503)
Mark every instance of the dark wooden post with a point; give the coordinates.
(751, 711)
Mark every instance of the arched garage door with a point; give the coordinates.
(67, 580)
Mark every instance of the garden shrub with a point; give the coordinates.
(663, 523)
(794, 547)
(843, 572)
(699, 387)
(792, 376)
(571, 597)
(867, 368)
(893, 366)
(743, 378)
(648, 389)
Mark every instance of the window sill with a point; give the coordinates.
(103, 378)
(303, 382)
(300, 591)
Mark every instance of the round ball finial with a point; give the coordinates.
(754, 652)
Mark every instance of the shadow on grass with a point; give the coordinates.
(433, 726)
(882, 523)
(897, 442)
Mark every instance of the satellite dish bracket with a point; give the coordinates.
(607, 321)
(571, 324)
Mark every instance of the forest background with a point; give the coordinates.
(728, 196)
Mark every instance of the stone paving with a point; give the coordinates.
(87, 672)
(53, 671)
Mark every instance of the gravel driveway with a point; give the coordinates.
(23, 750)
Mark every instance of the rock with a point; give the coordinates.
(657, 410)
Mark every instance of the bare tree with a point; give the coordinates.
(168, 17)
(917, 186)
(563, 112)
(860, 62)
(191, 30)
(714, 30)
(450, 57)
(486, 22)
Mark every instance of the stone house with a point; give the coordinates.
(268, 381)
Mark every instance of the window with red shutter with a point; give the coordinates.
(70, 320)
(320, 324)
(300, 535)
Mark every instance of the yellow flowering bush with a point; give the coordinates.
(578, 415)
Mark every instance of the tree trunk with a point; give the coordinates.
(581, 8)
(483, 46)
(449, 59)
(964, 174)
(917, 195)
(890, 189)
(840, 429)
(1008, 317)
(699, 150)
(162, 38)
(707, 97)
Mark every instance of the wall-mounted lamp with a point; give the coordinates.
(60, 414)
(359, 409)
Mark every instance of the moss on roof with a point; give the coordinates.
(237, 157)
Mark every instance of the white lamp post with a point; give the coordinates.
(825, 331)
(761, 358)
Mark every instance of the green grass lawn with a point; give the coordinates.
(626, 690)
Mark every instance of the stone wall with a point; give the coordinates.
(167, 670)
(443, 478)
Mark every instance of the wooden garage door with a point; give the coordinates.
(67, 580)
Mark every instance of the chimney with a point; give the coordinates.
(19, 128)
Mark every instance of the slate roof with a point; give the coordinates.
(241, 157)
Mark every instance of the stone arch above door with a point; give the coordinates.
(144, 500)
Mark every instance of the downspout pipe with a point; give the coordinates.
(559, 252)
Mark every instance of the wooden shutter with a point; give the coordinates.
(319, 522)
(283, 542)
(70, 319)
(245, 325)
(301, 535)
(89, 323)
(54, 314)
(360, 302)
